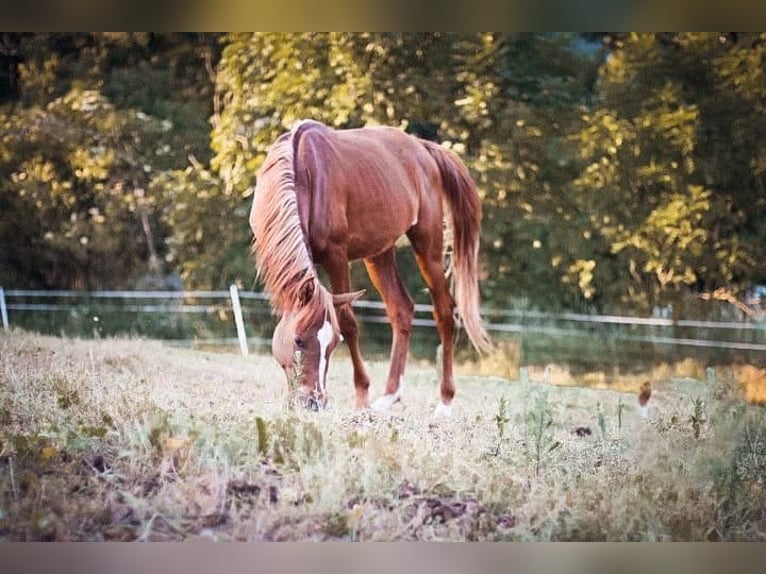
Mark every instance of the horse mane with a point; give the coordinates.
(283, 259)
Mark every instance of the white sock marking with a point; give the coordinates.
(443, 410)
(384, 403)
(324, 336)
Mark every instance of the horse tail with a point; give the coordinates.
(463, 200)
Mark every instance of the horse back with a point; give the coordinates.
(365, 186)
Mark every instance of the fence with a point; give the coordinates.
(244, 319)
(119, 312)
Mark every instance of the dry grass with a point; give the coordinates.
(753, 381)
(133, 440)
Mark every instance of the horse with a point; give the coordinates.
(328, 197)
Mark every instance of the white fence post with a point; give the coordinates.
(3, 309)
(238, 319)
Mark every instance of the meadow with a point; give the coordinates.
(129, 439)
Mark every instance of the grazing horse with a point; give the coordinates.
(328, 197)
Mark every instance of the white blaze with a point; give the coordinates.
(324, 336)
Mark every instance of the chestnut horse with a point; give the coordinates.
(329, 197)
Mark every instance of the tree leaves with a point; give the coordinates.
(617, 173)
(77, 164)
(653, 178)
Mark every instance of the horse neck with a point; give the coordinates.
(283, 258)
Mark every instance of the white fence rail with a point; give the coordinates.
(233, 295)
(499, 321)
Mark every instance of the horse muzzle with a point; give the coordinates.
(312, 401)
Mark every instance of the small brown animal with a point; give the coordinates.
(644, 393)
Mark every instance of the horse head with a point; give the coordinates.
(304, 340)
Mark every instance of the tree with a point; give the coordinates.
(267, 82)
(617, 171)
(536, 85)
(74, 178)
(674, 169)
(499, 100)
(84, 134)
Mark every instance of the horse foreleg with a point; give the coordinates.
(350, 331)
(384, 274)
(337, 270)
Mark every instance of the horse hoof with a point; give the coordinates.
(443, 410)
(384, 403)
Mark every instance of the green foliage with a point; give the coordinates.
(293, 441)
(620, 175)
(539, 421)
(737, 474)
(620, 408)
(208, 240)
(601, 421)
(79, 152)
(501, 419)
(294, 381)
(502, 101)
(263, 436)
(697, 418)
(658, 155)
(76, 170)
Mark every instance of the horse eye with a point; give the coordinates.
(299, 342)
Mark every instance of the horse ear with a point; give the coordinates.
(306, 291)
(341, 298)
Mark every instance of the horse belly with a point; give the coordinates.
(371, 236)
(376, 226)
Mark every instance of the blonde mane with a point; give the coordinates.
(282, 256)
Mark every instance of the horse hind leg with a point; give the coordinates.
(400, 309)
(429, 256)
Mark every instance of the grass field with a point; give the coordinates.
(134, 440)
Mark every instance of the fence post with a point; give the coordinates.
(238, 319)
(3, 309)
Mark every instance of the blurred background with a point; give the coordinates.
(622, 175)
